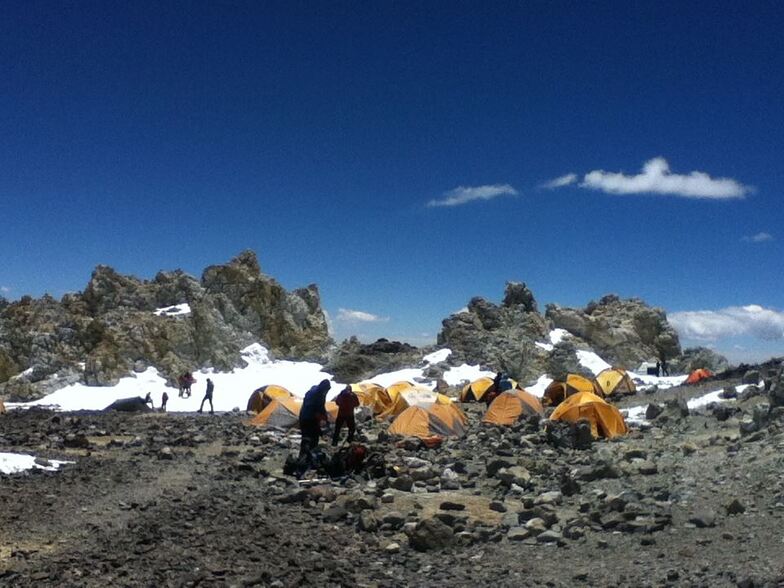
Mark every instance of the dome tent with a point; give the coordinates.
(282, 413)
(615, 381)
(604, 418)
(261, 397)
(422, 397)
(437, 420)
(557, 391)
(510, 407)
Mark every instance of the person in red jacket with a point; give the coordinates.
(347, 401)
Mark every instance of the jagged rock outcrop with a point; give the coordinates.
(111, 328)
(499, 337)
(623, 332)
(699, 357)
(353, 361)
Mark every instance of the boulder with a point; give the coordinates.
(431, 534)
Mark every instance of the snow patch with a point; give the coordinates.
(637, 413)
(557, 335)
(437, 356)
(457, 375)
(232, 389)
(538, 388)
(592, 362)
(176, 310)
(407, 374)
(14, 463)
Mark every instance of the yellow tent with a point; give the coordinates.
(509, 407)
(280, 412)
(605, 419)
(442, 420)
(475, 391)
(372, 395)
(615, 381)
(261, 397)
(394, 389)
(422, 397)
(557, 391)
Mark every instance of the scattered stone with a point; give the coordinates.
(518, 534)
(735, 507)
(448, 505)
(703, 519)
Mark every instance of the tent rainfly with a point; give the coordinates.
(615, 381)
(557, 391)
(437, 420)
(605, 419)
(510, 407)
(261, 397)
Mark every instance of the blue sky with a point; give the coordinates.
(152, 136)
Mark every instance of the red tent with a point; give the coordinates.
(698, 375)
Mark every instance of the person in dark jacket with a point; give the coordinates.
(164, 400)
(311, 415)
(208, 396)
(494, 389)
(347, 401)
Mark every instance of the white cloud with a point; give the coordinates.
(358, 316)
(710, 325)
(656, 178)
(5, 289)
(760, 237)
(465, 194)
(560, 182)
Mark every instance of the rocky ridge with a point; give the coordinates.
(111, 328)
(513, 336)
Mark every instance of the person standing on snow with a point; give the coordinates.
(347, 401)
(164, 400)
(208, 396)
(312, 413)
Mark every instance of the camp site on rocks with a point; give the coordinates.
(583, 471)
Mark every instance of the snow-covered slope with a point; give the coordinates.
(232, 389)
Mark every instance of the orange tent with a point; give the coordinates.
(422, 397)
(442, 420)
(373, 395)
(698, 375)
(557, 391)
(605, 419)
(509, 407)
(280, 412)
(261, 397)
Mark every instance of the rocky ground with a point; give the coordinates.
(186, 500)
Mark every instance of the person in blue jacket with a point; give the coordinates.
(311, 415)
